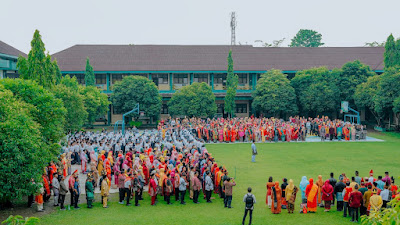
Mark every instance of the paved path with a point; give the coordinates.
(311, 139)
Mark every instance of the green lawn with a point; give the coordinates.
(290, 160)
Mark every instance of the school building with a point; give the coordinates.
(171, 67)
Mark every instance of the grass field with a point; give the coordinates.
(290, 160)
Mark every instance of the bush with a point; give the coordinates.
(137, 124)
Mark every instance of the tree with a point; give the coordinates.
(21, 147)
(387, 216)
(374, 44)
(390, 52)
(274, 95)
(68, 92)
(306, 38)
(96, 103)
(48, 111)
(347, 79)
(231, 86)
(90, 80)
(38, 66)
(57, 71)
(365, 94)
(19, 220)
(195, 100)
(136, 89)
(315, 90)
(388, 91)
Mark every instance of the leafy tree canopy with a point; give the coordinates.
(316, 92)
(68, 92)
(351, 75)
(231, 86)
(365, 93)
(96, 103)
(48, 111)
(21, 144)
(38, 66)
(90, 79)
(273, 95)
(135, 89)
(306, 38)
(195, 100)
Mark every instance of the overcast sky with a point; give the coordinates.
(66, 23)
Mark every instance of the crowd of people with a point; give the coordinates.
(355, 197)
(173, 160)
(250, 129)
(170, 163)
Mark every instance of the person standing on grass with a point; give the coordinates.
(346, 194)
(128, 188)
(311, 193)
(168, 189)
(366, 198)
(269, 186)
(77, 192)
(385, 196)
(153, 189)
(56, 188)
(249, 199)
(290, 195)
(333, 182)
(253, 151)
(208, 186)
(303, 185)
(105, 189)
(327, 195)
(276, 199)
(338, 191)
(196, 187)
(121, 182)
(355, 200)
(89, 191)
(63, 192)
(228, 183)
(71, 182)
(182, 188)
(375, 202)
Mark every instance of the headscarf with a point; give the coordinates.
(327, 187)
(290, 185)
(303, 183)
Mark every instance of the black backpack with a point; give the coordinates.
(249, 201)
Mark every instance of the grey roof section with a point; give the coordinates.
(9, 50)
(212, 57)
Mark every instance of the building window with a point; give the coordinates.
(160, 78)
(242, 79)
(241, 108)
(79, 77)
(101, 79)
(116, 77)
(164, 109)
(220, 108)
(200, 78)
(181, 79)
(220, 78)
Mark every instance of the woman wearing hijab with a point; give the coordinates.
(269, 185)
(311, 193)
(276, 199)
(303, 185)
(290, 195)
(283, 188)
(327, 195)
(320, 183)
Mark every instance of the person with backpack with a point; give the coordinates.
(249, 199)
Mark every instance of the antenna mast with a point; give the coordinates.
(233, 27)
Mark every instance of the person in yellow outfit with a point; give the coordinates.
(375, 202)
(105, 190)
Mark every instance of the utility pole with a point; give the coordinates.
(233, 27)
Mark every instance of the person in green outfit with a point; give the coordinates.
(89, 191)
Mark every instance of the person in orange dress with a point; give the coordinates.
(276, 199)
(269, 185)
(319, 183)
(311, 194)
